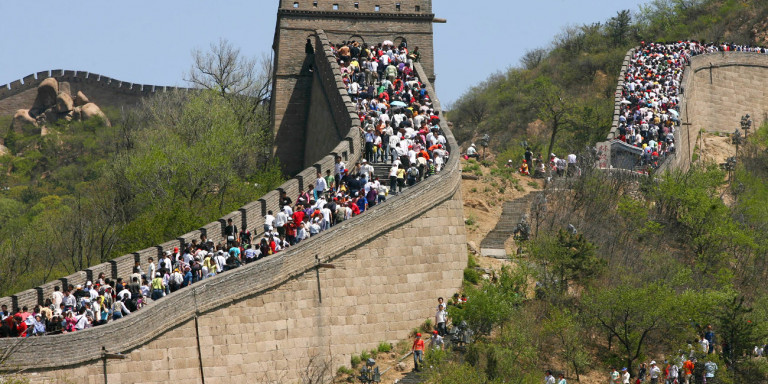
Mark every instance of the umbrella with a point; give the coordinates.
(398, 103)
(672, 111)
(388, 42)
(625, 101)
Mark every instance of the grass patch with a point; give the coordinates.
(471, 276)
(384, 347)
(355, 361)
(534, 184)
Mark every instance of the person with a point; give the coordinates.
(528, 155)
(158, 289)
(625, 375)
(614, 377)
(524, 169)
(641, 373)
(672, 373)
(710, 336)
(548, 378)
(440, 319)
(710, 367)
(654, 373)
(418, 351)
(472, 152)
(688, 367)
(704, 344)
(230, 231)
(269, 220)
(562, 379)
(436, 341)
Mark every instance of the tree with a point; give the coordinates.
(563, 327)
(633, 314)
(224, 70)
(618, 27)
(532, 58)
(552, 105)
(567, 257)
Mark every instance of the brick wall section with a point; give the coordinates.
(718, 89)
(617, 95)
(102, 90)
(266, 318)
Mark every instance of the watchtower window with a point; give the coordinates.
(397, 7)
(357, 5)
(377, 8)
(418, 8)
(314, 4)
(296, 4)
(335, 7)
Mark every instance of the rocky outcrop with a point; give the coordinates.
(53, 103)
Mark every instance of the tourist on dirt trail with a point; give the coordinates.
(418, 352)
(654, 373)
(625, 375)
(562, 379)
(441, 317)
(641, 373)
(710, 368)
(524, 168)
(436, 341)
(614, 377)
(548, 378)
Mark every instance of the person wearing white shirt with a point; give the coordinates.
(320, 186)
(269, 220)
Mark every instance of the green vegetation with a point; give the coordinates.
(384, 347)
(85, 194)
(653, 261)
(561, 98)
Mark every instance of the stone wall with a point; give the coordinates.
(271, 320)
(102, 90)
(617, 96)
(292, 89)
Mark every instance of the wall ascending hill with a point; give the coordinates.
(281, 317)
(103, 90)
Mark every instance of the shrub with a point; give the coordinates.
(471, 262)
(355, 361)
(365, 355)
(471, 275)
(385, 347)
(345, 371)
(427, 326)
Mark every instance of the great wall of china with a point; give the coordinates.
(275, 319)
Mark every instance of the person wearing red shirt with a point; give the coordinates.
(19, 326)
(418, 351)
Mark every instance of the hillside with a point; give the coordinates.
(570, 84)
(76, 193)
(623, 270)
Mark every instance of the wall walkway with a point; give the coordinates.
(273, 320)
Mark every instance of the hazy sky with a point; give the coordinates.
(150, 42)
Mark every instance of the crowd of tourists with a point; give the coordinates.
(649, 106)
(399, 126)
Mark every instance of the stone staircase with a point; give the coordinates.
(412, 377)
(381, 170)
(512, 212)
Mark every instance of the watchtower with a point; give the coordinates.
(369, 22)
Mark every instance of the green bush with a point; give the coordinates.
(365, 355)
(384, 347)
(427, 326)
(471, 262)
(471, 275)
(355, 361)
(345, 371)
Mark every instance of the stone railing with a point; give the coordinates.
(135, 330)
(614, 132)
